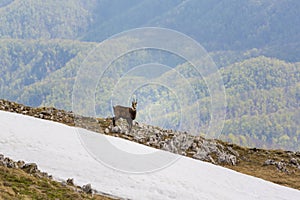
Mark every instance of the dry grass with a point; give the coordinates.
(17, 184)
(251, 162)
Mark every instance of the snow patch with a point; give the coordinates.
(58, 150)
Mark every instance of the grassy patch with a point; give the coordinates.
(17, 184)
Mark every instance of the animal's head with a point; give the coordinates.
(134, 104)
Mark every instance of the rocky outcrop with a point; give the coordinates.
(32, 169)
(87, 188)
(52, 114)
(283, 165)
(177, 142)
(169, 140)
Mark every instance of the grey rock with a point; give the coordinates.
(201, 155)
(9, 163)
(233, 159)
(231, 150)
(269, 162)
(106, 131)
(227, 158)
(63, 183)
(279, 165)
(294, 161)
(70, 181)
(87, 188)
(30, 168)
(116, 129)
(124, 131)
(20, 164)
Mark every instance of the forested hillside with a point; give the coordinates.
(263, 97)
(27, 63)
(216, 24)
(255, 44)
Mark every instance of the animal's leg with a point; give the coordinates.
(129, 121)
(114, 121)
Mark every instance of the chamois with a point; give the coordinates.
(126, 113)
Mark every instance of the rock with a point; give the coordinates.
(1, 157)
(30, 168)
(231, 150)
(116, 129)
(233, 160)
(201, 155)
(269, 162)
(106, 131)
(124, 131)
(87, 188)
(211, 159)
(9, 163)
(70, 181)
(227, 158)
(156, 131)
(294, 161)
(169, 146)
(279, 165)
(63, 183)
(20, 164)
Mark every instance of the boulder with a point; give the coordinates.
(269, 162)
(87, 188)
(201, 155)
(20, 164)
(116, 129)
(294, 161)
(70, 181)
(30, 168)
(227, 158)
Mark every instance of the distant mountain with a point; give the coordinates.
(234, 24)
(216, 24)
(32, 19)
(25, 63)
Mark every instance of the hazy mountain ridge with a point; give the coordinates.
(217, 25)
(44, 20)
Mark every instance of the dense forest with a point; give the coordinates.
(255, 45)
(217, 24)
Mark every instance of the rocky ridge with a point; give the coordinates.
(173, 141)
(177, 142)
(278, 166)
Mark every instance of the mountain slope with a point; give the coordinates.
(45, 143)
(217, 24)
(25, 63)
(44, 20)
